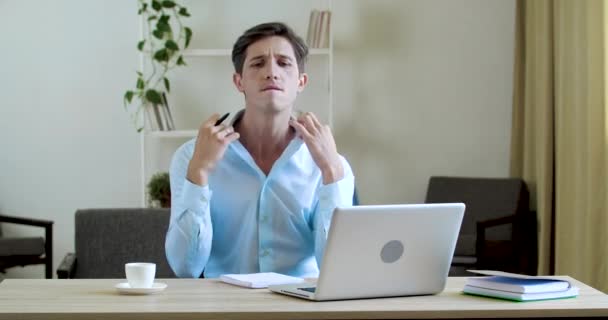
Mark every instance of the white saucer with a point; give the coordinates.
(124, 288)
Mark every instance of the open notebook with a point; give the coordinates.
(259, 280)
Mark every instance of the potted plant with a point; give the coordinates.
(159, 190)
(164, 40)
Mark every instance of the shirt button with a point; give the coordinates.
(264, 218)
(265, 253)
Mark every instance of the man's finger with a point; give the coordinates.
(300, 129)
(232, 137)
(309, 124)
(211, 121)
(314, 119)
(223, 131)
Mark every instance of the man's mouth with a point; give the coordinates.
(272, 87)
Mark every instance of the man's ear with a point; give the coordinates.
(302, 82)
(236, 78)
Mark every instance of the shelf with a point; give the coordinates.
(173, 134)
(228, 52)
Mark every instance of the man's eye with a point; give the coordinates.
(284, 63)
(257, 64)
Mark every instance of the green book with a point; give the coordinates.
(516, 296)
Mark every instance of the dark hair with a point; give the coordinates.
(266, 30)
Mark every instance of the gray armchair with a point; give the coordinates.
(23, 251)
(498, 230)
(106, 239)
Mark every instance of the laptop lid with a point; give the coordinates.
(389, 250)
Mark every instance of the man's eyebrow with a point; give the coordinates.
(262, 56)
(285, 56)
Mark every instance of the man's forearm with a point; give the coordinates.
(339, 193)
(188, 245)
(197, 175)
(333, 173)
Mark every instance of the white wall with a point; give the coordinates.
(66, 141)
(422, 87)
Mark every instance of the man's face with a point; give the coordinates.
(270, 79)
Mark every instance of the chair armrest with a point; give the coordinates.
(481, 233)
(67, 267)
(48, 237)
(26, 221)
(485, 224)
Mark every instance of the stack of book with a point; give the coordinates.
(159, 116)
(518, 287)
(318, 29)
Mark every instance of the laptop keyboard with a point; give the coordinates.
(311, 289)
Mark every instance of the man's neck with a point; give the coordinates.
(265, 136)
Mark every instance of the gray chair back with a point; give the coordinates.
(106, 239)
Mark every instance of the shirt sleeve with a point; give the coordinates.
(331, 196)
(188, 240)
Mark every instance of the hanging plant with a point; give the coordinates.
(164, 40)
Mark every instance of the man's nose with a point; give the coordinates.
(272, 70)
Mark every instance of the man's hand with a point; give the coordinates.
(211, 144)
(321, 144)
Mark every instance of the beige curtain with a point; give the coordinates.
(560, 132)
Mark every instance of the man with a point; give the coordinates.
(258, 195)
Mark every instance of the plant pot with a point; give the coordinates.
(165, 203)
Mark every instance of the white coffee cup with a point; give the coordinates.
(140, 274)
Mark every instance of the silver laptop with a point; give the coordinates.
(385, 251)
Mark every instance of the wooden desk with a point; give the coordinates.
(210, 299)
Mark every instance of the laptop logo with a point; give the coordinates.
(392, 251)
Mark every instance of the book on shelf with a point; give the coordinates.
(153, 117)
(325, 34)
(159, 116)
(168, 117)
(311, 27)
(518, 287)
(318, 29)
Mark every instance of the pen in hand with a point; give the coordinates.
(220, 120)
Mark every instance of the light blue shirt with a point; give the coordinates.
(245, 222)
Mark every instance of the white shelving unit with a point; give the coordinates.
(157, 147)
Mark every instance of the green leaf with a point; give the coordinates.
(167, 86)
(188, 36)
(184, 12)
(152, 18)
(168, 4)
(164, 19)
(161, 55)
(140, 45)
(163, 26)
(180, 61)
(158, 34)
(171, 45)
(139, 73)
(153, 96)
(140, 83)
(144, 7)
(128, 97)
(156, 5)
